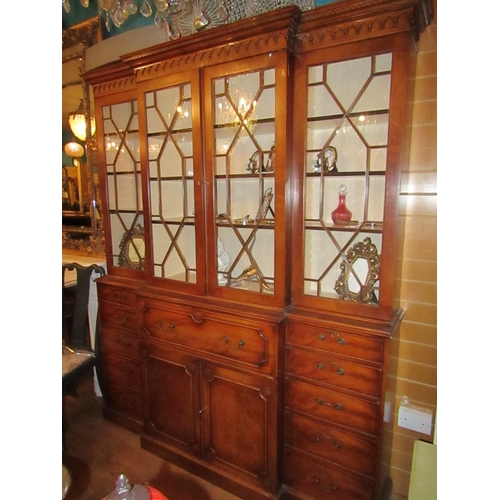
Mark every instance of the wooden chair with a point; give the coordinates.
(78, 355)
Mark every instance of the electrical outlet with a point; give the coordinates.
(415, 420)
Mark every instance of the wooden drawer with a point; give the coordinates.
(124, 399)
(336, 341)
(122, 341)
(322, 367)
(227, 338)
(338, 446)
(117, 295)
(322, 481)
(333, 406)
(122, 369)
(117, 315)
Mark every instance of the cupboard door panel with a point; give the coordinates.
(172, 403)
(239, 415)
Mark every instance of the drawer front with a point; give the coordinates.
(121, 341)
(229, 339)
(124, 399)
(328, 369)
(122, 369)
(330, 443)
(333, 406)
(336, 341)
(117, 295)
(117, 315)
(322, 481)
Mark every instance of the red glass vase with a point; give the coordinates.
(341, 215)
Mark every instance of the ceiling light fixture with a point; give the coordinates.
(78, 123)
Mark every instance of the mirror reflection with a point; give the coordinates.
(80, 196)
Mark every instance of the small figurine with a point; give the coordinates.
(223, 262)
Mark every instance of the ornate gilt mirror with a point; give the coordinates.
(81, 228)
(359, 274)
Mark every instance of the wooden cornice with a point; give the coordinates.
(332, 24)
(346, 20)
(286, 18)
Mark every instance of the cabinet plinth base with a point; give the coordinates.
(204, 471)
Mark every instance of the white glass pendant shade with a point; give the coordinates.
(78, 124)
(74, 150)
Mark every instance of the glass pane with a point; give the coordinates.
(346, 155)
(124, 189)
(170, 151)
(244, 135)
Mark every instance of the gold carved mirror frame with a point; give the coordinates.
(81, 228)
(133, 249)
(366, 254)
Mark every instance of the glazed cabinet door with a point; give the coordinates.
(245, 143)
(239, 424)
(170, 110)
(121, 180)
(350, 104)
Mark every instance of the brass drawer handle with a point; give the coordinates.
(160, 326)
(332, 488)
(226, 339)
(123, 369)
(337, 406)
(320, 437)
(340, 340)
(121, 319)
(123, 342)
(339, 370)
(119, 296)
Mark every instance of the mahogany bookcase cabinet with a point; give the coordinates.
(245, 329)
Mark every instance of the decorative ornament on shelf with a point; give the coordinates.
(342, 215)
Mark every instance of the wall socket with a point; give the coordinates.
(415, 419)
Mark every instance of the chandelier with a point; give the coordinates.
(184, 17)
(78, 123)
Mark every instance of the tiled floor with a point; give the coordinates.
(96, 451)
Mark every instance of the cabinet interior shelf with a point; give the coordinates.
(358, 173)
(174, 220)
(340, 116)
(366, 227)
(244, 176)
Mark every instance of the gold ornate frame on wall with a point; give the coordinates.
(363, 250)
(87, 240)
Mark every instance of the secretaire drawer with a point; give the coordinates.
(228, 338)
(123, 369)
(123, 341)
(333, 406)
(338, 446)
(117, 315)
(326, 368)
(322, 481)
(336, 341)
(116, 294)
